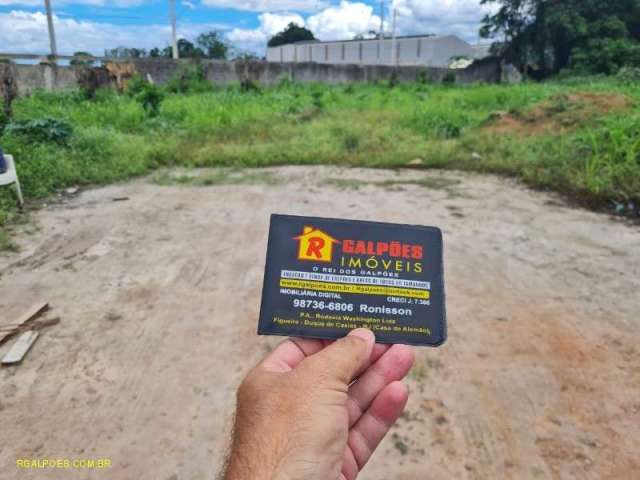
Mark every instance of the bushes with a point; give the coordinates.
(629, 76)
(147, 94)
(42, 130)
(449, 78)
(606, 55)
(440, 123)
(192, 79)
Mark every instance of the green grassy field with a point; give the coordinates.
(580, 137)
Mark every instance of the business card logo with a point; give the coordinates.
(315, 245)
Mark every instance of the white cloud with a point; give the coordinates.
(268, 5)
(255, 40)
(343, 21)
(338, 22)
(460, 17)
(26, 32)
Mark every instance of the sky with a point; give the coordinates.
(96, 25)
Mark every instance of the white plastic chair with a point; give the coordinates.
(11, 176)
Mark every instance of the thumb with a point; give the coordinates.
(346, 357)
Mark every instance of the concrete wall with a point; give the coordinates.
(31, 77)
(48, 77)
(426, 51)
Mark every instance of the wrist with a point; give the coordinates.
(253, 459)
(241, 467)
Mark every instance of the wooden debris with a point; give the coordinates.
(20, 348)
(39, 325)
(7, 331)
(120, 199)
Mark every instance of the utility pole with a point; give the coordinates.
(394, 48)
(381, 34)
(52, 33)
(174, 34)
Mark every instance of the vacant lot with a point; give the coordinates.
(580, 137)
(159, 298)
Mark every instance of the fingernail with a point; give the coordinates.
(363, 333)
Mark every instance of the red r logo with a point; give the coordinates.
(315, 247)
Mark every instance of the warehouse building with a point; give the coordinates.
(431, 51)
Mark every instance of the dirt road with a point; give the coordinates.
(159, 296)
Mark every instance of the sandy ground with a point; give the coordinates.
(159, 296)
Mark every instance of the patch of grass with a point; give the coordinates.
(399, 444)
(218, 177)
(596, 160)
(345, 183)
(418, 372)
(6, 243)
(436, 183)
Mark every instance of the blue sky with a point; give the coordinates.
(93, 25)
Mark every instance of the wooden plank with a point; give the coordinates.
(20, 348)
(35, 310)
(41, 324)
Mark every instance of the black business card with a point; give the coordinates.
(325, 277)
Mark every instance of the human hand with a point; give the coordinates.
(299, 418)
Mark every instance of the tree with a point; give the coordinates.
(82, 59)
(587, 35)
(125, 52)
(186, 49)
(292, 34)
(213, 44)
(243, 55)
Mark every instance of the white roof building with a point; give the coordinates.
(432, 51)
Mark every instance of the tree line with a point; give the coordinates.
(209, 45)
(546, 37)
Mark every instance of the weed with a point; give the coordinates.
(191, 79)
(345, 183)
(42, 130)
(435, 183)
(439, 122)
(317, 97)
(150, 98)
(351, 142)
(217, 177)
(399, 444)
(422, 78)
(449, 79)
(248, 85)
(394, 80)
(558, 104)
(418, 372)
(285, 83)
(6, 243)
(629, 76)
